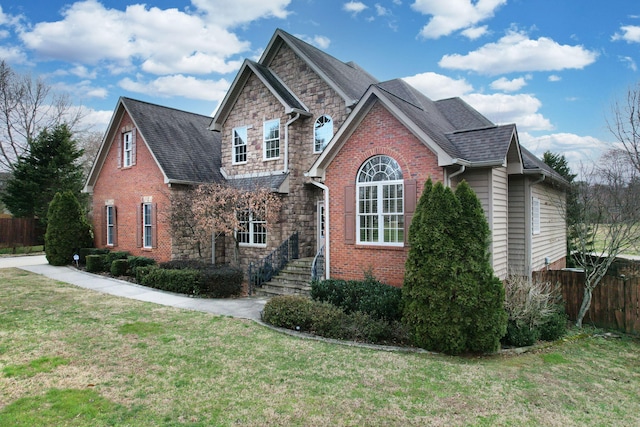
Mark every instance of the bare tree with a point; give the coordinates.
(211, 210)
(608, 209)
(625, 125)
(27, 106)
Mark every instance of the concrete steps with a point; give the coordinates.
(294, 279)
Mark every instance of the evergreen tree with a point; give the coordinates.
(67, 229)
(50, 166)
(453, 303)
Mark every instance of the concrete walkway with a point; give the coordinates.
(246, 308)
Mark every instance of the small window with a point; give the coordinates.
(272, 139)
(252, 230)
(535, 216)
(127, 152)
(147, 225)
(323, 132)
(111, 223)
(240, 145)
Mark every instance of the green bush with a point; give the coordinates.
(83, 252)
(119, 267)
(136, 262)
(554, 326)
(67, 229)
(142, 272)
(181, 264)
(95, 263)
(323, 319)
(520, 334)
(112, 256)
(186, 281)
(369, 296)
(221, 281)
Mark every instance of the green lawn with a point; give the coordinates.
(74, 357)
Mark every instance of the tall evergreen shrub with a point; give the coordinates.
(67, 229)
(453, 303)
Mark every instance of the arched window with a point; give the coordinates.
(380, 208)
(322, 132)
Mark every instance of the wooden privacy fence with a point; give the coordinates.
(19, 232)
(615, 303)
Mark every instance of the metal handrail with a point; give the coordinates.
(317, 267)
(263, 271)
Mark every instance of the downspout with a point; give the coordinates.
(327, 237)
(286, 142)
(456, 173)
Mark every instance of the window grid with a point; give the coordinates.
(128, 149)
(271, 139)
(147, 225)
(240, 145)
(110, 225)
(251, 231)
(323, 132)
(380, 202)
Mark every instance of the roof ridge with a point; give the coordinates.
(163, 106)
(378, 85)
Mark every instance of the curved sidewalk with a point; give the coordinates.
(246, 308)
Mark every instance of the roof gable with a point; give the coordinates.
(179, 141)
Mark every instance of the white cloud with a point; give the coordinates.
(179, 85)
(321, 41)
(515, 52)
(161, 41)
(630, 62)
(354, 7)
(630, 34)
(96, 120)
(448, 16)
(83, 72)
(506, 85)
(13, 55)
(554, 78)
(381, 10)
(475, 32)
(437, 86)
(577, 149)
(521, 109)
(230, 13)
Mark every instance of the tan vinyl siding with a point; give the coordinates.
(500, 229)
(517, 226)
(551, 242)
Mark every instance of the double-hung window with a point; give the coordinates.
(252, 230)
(111, 225)
(322, 133)
(147, 225)
(380, 203)
(271, 139)
(127, 152)
(240, 145)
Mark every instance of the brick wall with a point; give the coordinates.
(380, 133)
(126, 188)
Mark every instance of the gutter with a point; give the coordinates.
(327, 237)
(456, 173)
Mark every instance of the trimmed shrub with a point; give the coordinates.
(185, 281)
(141, 272)
(95, 263)
(83, 252)
(67, 229)
(554, 326)
(119, 267)
(181, 264)
(139, 261)
(370, 296)
(112, 256)
(520, 334)
(222, 281)
(289, 311)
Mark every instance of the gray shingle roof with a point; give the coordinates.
(461, 115)
(531, 162)
(484, 145)
(271, 182)
(352, 80)
(277, 85)
(180, 141)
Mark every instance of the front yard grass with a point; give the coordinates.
(75, 357)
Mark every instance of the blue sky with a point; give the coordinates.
(552, 67)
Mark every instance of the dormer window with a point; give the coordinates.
(323, 132)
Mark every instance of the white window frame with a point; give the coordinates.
(375, 212)
(271, 140)
(127, 149)
(147, 225)
(110, 220)
(322, 123)
(535, 216)
(253, 231)
(239, 145)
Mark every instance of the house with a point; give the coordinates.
(148, 153)
(348, 155)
